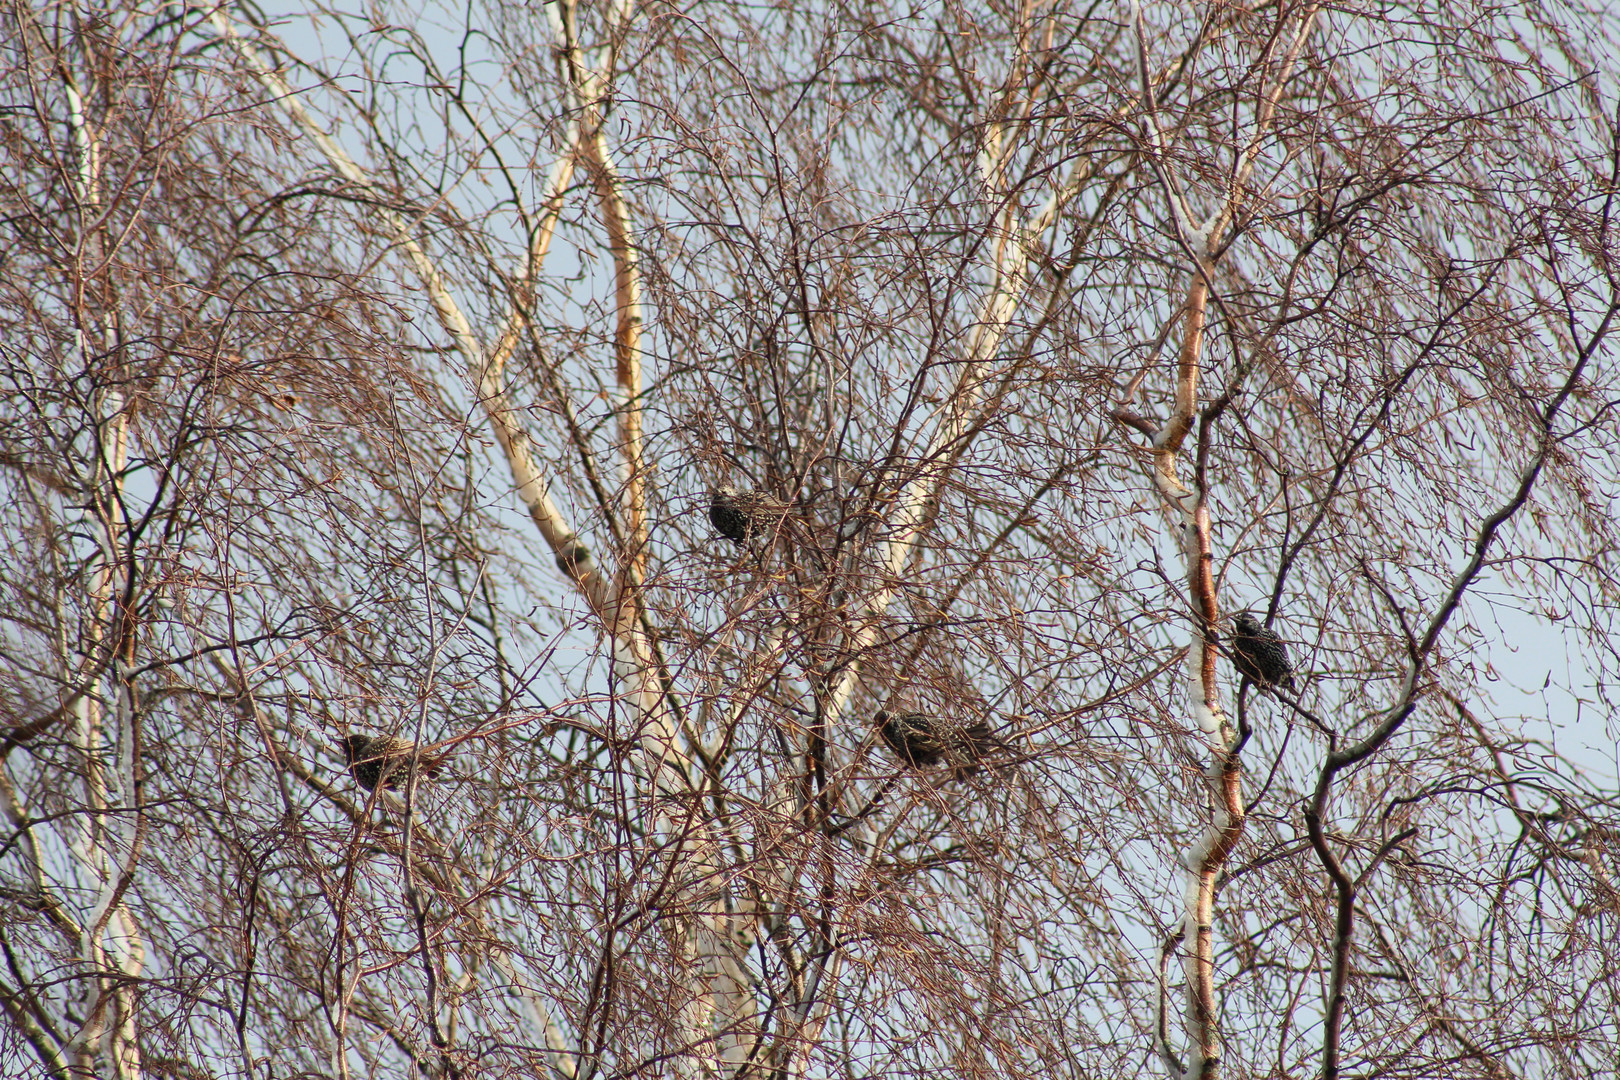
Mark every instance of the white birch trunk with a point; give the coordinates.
(1009, 280)
(723, 998)
(1187, 508)
(108, 844)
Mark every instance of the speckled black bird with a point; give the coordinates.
(739, 515)
(921, 740)
(383, 758)
(1259, 653)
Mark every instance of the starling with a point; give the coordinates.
(385, 759)
(739, 515)
(921, 740)
(1260, 654)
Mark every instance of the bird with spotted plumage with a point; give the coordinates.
(384, 759)
(921, 740)
(1258, 652)
(742, 515)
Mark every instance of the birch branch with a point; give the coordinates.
(1203, 240)
(1243, 163)
(1158, 159)
(907, 521)
(589, 84)
(662, 762)
(627, 346)
(715, 945)
(1405, 704)
(517, 319)
(1223, 775)
(108, 1031)
(572, 556)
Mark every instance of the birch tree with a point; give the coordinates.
(370, 371)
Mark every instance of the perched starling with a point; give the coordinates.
(739, 515)
(921, 740)
(1259, 653)
(386, 759)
